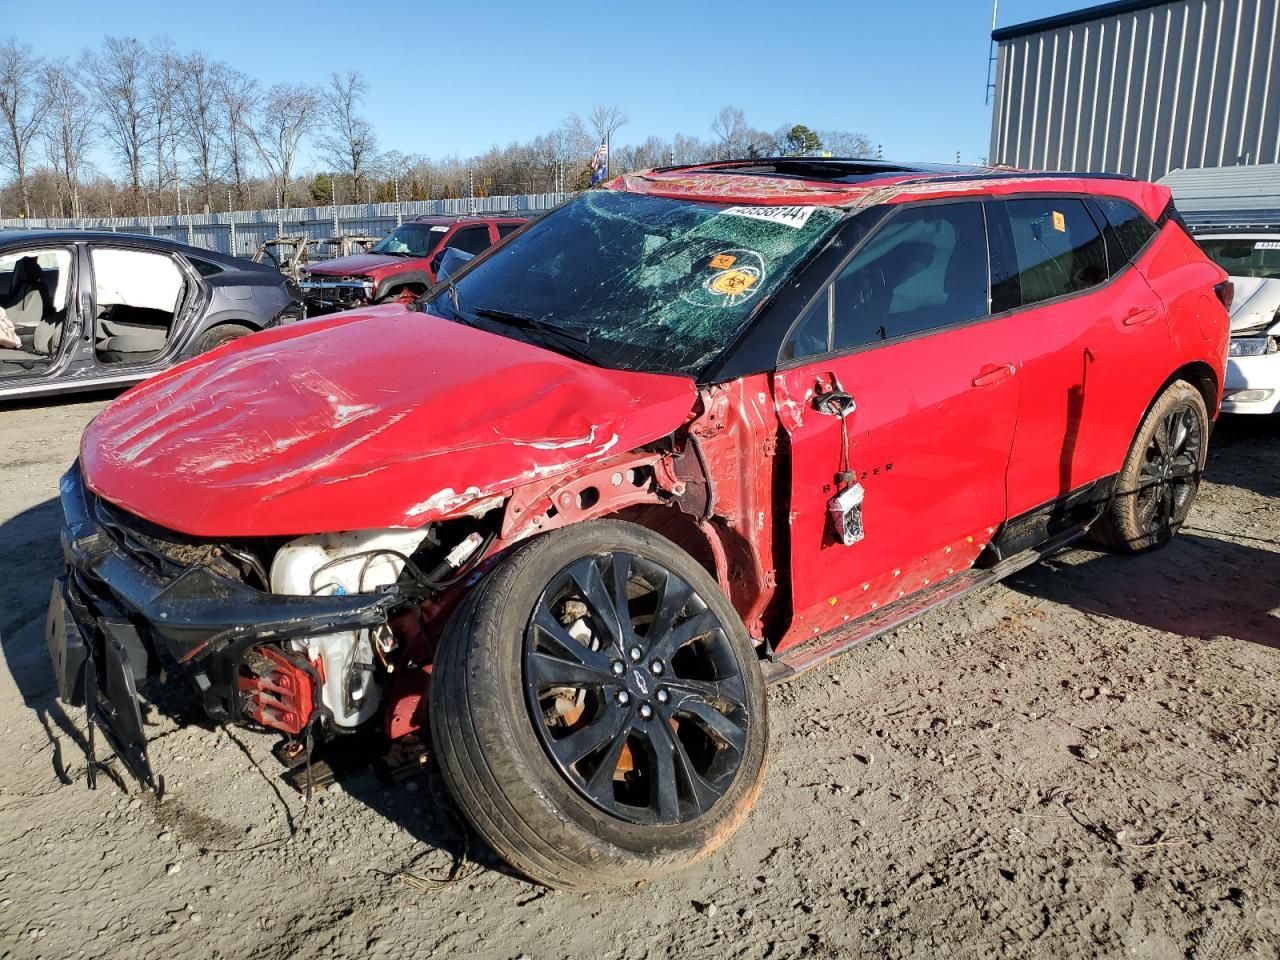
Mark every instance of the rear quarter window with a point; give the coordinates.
(1131, 225)
(206, 268)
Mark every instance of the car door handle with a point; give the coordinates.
(1140, 315)
(993, 374)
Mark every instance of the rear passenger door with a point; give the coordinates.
(1093, 339)
(904, 328)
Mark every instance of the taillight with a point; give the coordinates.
(1226, 292)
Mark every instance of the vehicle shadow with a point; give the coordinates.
(412, 797)
(1197, 586)
(1245, 452)
(30, 558)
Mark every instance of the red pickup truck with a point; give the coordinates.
(401, 265)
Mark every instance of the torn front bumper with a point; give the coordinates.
(119, 613)
(330, 296)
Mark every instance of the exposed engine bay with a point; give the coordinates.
(349, 669)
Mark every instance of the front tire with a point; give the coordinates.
(598, 709)
(1157, 485)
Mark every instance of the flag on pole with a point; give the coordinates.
(600, 163)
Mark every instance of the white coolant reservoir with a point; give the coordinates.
(336, 564)
(340, 563)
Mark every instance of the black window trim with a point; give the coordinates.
(1074, 294)
(1168, 215)
(823, 288)
(758, 338)
(1156, 225)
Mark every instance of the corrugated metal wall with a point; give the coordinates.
(1192, 83)
(241, 232)
(1227, 195)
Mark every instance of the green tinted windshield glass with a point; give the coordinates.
(1246, 257)
(646, 283)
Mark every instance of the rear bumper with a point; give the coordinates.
(115, 618)
(1252, 385)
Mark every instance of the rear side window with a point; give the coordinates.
(926, 268)
(1058, 247)
(1131, 226)
(205, 268)
(471, 239)
(506, 228)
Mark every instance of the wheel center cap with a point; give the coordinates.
(639, 682)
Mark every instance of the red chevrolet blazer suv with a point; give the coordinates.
(566, 515)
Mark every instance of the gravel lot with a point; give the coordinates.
(1083, 761)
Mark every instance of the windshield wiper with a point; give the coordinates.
(576, 342)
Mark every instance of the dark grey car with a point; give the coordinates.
(109, 309)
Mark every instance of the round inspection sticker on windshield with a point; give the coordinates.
(740, 276)
(733, 283)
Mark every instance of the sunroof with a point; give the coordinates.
(834, 169)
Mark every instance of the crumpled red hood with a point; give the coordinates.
(356, 263)
(381, 418)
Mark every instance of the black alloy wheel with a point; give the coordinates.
(598, 709)
(635, 690)
(1156, 486)
(1170, 469)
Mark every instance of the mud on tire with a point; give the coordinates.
(530, 675)
(1157, 485)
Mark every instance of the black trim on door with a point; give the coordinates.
(1035, 527)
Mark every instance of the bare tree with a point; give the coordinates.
(843, 143)
(197, 106)
(605, 121)
(285, 116)
(730, 128)
(69, 130)
(161, 90)
(117, 79)
(397, 168)
(237, 100)
(23, 107)
(348, 142)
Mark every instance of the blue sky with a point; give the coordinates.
(458, 77)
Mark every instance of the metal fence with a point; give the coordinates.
(241, 232)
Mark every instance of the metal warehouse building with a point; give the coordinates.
(1140, 87)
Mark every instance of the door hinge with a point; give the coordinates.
(770, 579)
(770, 446)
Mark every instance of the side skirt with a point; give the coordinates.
(800, 658)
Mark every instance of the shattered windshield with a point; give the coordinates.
(410, 240)
(638, 282)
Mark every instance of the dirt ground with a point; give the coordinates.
(1083, 761)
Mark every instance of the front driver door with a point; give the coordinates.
(904, 329)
